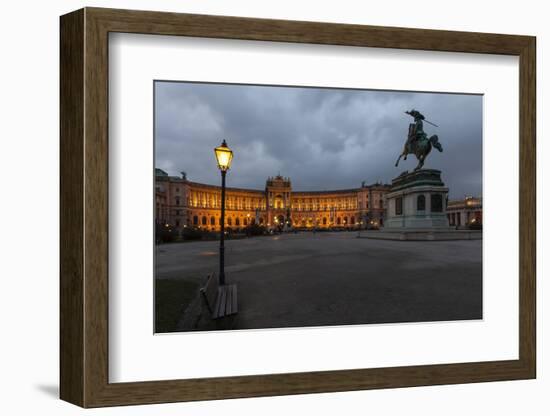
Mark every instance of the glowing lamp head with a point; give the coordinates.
(224, 155)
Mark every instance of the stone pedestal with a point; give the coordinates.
(417, 202)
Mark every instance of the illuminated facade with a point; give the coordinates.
(465, 212)
(183, 203)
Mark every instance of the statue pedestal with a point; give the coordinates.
(417, 202)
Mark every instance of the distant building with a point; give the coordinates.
(182, 203)
(465, 212)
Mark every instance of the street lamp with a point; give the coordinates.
(224, 155)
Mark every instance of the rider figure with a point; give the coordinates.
(419, 128)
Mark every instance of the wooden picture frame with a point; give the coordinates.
(84, 207)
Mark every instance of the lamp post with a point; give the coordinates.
(224, 155)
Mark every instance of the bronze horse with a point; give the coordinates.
(421, 149)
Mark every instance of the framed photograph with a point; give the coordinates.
(255, 207)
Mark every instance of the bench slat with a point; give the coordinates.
(220, 303)
(211, 289)
(234, 300)
(216, 308)
(229, 294)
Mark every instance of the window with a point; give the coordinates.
(325, 221)
(352, 220)
(437, 203)
(195, 220)
(338, 220)
(212, 221)
(237, 222)
(399, 206)
(229, 221)
(177, 200)
(421, 203)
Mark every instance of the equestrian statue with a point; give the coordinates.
(418, 142)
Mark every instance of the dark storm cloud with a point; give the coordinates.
(320, 138)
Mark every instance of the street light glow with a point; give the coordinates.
(224, 155)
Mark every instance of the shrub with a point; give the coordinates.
(190, 233)
(255, 229)
(475, 226)
(166, 234)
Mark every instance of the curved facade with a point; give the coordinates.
(183, 203)
(465, 212)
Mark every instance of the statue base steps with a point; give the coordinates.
(423, 235)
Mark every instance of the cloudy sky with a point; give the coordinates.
(321, 138)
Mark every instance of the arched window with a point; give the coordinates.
(324, 220)
(195, 220)
(229, 221)
(237, 222)
(245, 222)
(421, 203)
(212, 221)
(203, 220)
(437, 203)
(399, 205)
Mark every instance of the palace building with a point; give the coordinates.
(465, 212)
(181, 203)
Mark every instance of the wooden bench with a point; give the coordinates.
(220, 301)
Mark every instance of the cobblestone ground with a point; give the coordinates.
(311, 279)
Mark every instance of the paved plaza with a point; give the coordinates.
(335, 278)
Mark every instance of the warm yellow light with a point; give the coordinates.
(224, 155)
